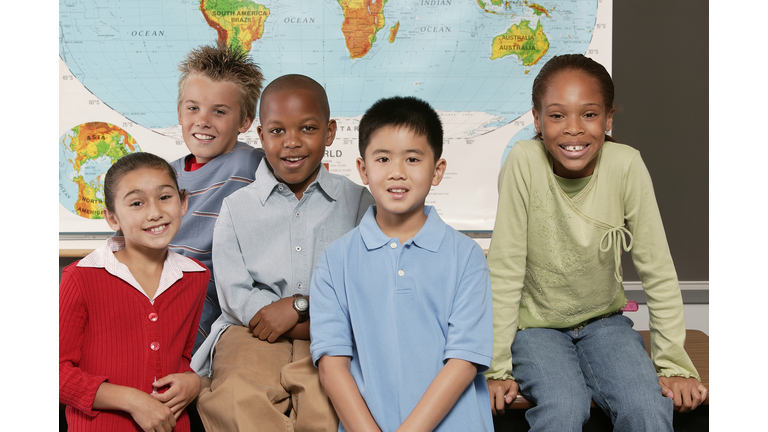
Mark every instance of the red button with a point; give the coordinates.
(153, 317)
(155, 346)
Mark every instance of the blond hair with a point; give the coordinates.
(225, 63)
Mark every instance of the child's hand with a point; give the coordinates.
(271, 321)
(502, 392)
(687, 393)
(150, 414)
(183, 389)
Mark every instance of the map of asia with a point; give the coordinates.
(473, 60)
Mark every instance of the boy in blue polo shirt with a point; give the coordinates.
(401, 305)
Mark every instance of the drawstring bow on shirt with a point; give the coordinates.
(614, 238)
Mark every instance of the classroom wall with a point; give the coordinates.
(660, 70)
(661, 75)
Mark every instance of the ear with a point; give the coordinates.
(330, 134)
(361, 170)
(536, 120)
(260, 132)
(246, 125)
(111, 219)
(609, 119)
(439, 172)
(184, 202)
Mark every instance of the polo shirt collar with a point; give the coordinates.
(267, 182)
(429, 237)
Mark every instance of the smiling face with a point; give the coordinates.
(147, 208)
(573, 122)
(294, 133)
(210, 117)
(400, 168)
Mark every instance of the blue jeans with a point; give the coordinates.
(562, 370)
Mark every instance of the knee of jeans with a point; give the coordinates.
(643, 404)
(568, 407)
(654, 414)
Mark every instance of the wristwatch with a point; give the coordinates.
(301, 306)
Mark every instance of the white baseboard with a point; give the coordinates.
(694, 292)
(684, 285)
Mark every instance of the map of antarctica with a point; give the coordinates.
(474, 61)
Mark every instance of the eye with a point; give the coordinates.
(308, 128)
(219, 112)
(192, 108)
(556, 116)
(165, 197)
(590, 115)
(382, 159)
(412, 159)
(135, 204)
(276, 131)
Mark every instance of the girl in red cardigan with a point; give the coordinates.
(128, 311)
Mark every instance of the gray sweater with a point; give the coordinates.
(207, 187)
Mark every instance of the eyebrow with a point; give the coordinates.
(138, 191)
(192, 101)
(557, 104)
(387, 151)
(303, 120)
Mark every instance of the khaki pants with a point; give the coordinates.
(262, 386)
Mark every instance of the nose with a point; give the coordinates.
(397, 170)
(153, 211)
(202, 119)
(573, 125)
(292, 139)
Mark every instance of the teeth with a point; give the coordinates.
(204, 137)
(156, 229)
(397, 190)
(294, 159)
(574, 148)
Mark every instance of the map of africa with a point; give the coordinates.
(85, 154)
(474, 61)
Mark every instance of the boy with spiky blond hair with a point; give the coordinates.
(219, 88)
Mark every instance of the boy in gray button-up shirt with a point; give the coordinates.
(267, 240)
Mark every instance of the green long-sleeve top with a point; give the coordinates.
(555, 260)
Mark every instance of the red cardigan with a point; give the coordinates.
(109, 331)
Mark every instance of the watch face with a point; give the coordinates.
(302, 303)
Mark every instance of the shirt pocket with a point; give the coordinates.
(326, 237)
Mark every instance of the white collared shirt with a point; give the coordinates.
(173, 266)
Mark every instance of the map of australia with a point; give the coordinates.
(529, 45)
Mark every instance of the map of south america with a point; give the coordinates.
(238, 23)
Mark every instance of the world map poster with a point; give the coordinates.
(474, 61)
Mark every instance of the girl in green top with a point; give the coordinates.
(569, 202)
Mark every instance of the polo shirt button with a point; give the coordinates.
(155, 346)
(400, 272)
(393, 245)
(153, 317)
(298, 248)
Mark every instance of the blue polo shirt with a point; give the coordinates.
(400, 311)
